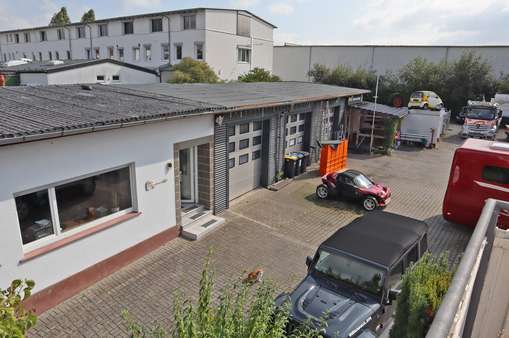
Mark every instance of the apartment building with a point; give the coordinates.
(231, 41)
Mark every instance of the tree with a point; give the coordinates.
(14, 319)
(88, 16)
(259, 75)
(503, 84)
(60, 18)
(192, 71)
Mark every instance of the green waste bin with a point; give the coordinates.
(291, 166)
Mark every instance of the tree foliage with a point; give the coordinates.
(88, 16)
(60, 18)
(258, 75)
(241, 311)
(14, 319)
(424, 286)
(192, 71)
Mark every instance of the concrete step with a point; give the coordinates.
(202, 227)
(193, 215)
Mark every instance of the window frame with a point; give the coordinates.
(199, 47)
(102, 32)
(136, 57)
(188, 16)
(124, 31)
(27, 37)
(61, 34)
(244, 143)
(152, 25)
(243, 54)
(178, 55)
(43, 36)
(57, 232)
(165, 52)
(79, 31)
(147, 52)
(243, 156)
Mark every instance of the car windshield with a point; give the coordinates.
(416, 95)
(480, 113)
(343, 268)
(362, 181)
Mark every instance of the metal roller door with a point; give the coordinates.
(245, 157)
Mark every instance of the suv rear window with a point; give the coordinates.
(496, 174)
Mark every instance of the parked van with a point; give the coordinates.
(425, 99)
(479, 170)
(481, 119)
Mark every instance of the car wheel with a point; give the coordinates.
(322, 191)
(370, 203)
(425, 106)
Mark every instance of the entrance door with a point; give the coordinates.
(188, 169)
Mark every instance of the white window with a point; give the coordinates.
(61, 34)
(199, 50)
(27, 37)
(157, 25)
(111, 52)
(80, 32)
(178, 51)
(148, 52)
(121, 54)
(243, 25)
(244, 55)
(97, 52)
(165, 49)
(136, 53)
(189, 21)
(66, 208)
(103, 29)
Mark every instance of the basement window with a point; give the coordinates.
(115, 77)
(69, 207)
(100, 77)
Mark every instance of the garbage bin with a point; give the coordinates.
(291, 166)
(305, 161)
(300, 160)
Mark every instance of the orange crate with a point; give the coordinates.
(333, 157)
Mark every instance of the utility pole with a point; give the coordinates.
(374, 113)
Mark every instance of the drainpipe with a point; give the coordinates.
(70, 44)
(169, 39)
(90, 33)
(1, 56)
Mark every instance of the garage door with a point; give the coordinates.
(245, 157)
(295, 128)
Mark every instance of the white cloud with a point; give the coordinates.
(241, 4)
(141, 3)
(281, 8)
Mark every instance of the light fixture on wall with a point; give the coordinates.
(219, 120)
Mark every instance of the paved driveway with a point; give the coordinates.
(272, 230)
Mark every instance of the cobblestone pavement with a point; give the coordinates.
(272, 230)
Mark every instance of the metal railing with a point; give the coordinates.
(447, 322)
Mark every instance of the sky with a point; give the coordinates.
(349, 22)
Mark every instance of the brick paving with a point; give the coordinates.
(272, 230)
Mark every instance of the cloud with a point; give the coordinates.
(281, 8)
(17, 15)
(244, 3)
(141, 3)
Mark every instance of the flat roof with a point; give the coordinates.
(378, 236)
(152, 14)
(382, 108)
(48, 67)
(250, 95)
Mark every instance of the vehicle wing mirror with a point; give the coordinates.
(393, 294)
(309, 260)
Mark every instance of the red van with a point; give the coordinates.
(479, 170)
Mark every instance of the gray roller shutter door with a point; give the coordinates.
(244, 157)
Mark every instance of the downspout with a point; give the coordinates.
(70, 44)
(1, 56)
(169, 39)
(90, 33)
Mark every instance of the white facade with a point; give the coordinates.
(59, 160)
(292, 63)
(99, 73)
(211, 35)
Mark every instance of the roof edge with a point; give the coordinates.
(86, 63)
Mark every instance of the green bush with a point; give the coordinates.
(242, 311)
(259, 75)
(192, 71)
(423, 288)
(391, 126)
(14, 319)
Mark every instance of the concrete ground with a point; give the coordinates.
(271, 230)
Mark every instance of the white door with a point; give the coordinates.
(188, 177)
(245, 157)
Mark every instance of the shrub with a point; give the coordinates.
(14, 319)
(192, 71)
(390, 129)
(423, 289)
(259, 75)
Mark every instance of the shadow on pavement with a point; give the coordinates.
(334, 202)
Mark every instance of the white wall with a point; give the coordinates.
(30, 165)
(292, 63)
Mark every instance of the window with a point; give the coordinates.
(157, 25)
(121, 54)
(257, 125)
(42, 35)
(243, 144)
(293, 118)
(165, 48)
(496, 174)
(189, 21)
(111, 52)
(57, 55)
(243, 159)
(50, 55)
(178, 51)
(61, 34)
(395, 275)
(97, 52)
(128, 27)
(231, 163)
(62, 208)
(100, 77)
(244, 128)
(80, 32)
(68, 55)
(103, 29)
(244, 55)
(231, 131)
(148, 52)
(301, 128)
(300, 140)
(243, 25)
(136, 53)
(27, 37)
(302, 117)
(255, 155)
(16, 38)
(291, 143)
(293, 130)
(231, 147)
(33, 56)
(199, 51)
(40, 56)
(88, 54)
(115, 77)
(257, 140)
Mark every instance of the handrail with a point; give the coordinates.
(444, 318)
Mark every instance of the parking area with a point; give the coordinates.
(271, 230)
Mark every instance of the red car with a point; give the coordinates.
(354, 185)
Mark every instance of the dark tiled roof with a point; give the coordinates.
(29, 113)
(251, 95)
(47, 67)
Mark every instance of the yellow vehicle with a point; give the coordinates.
(425, 99)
